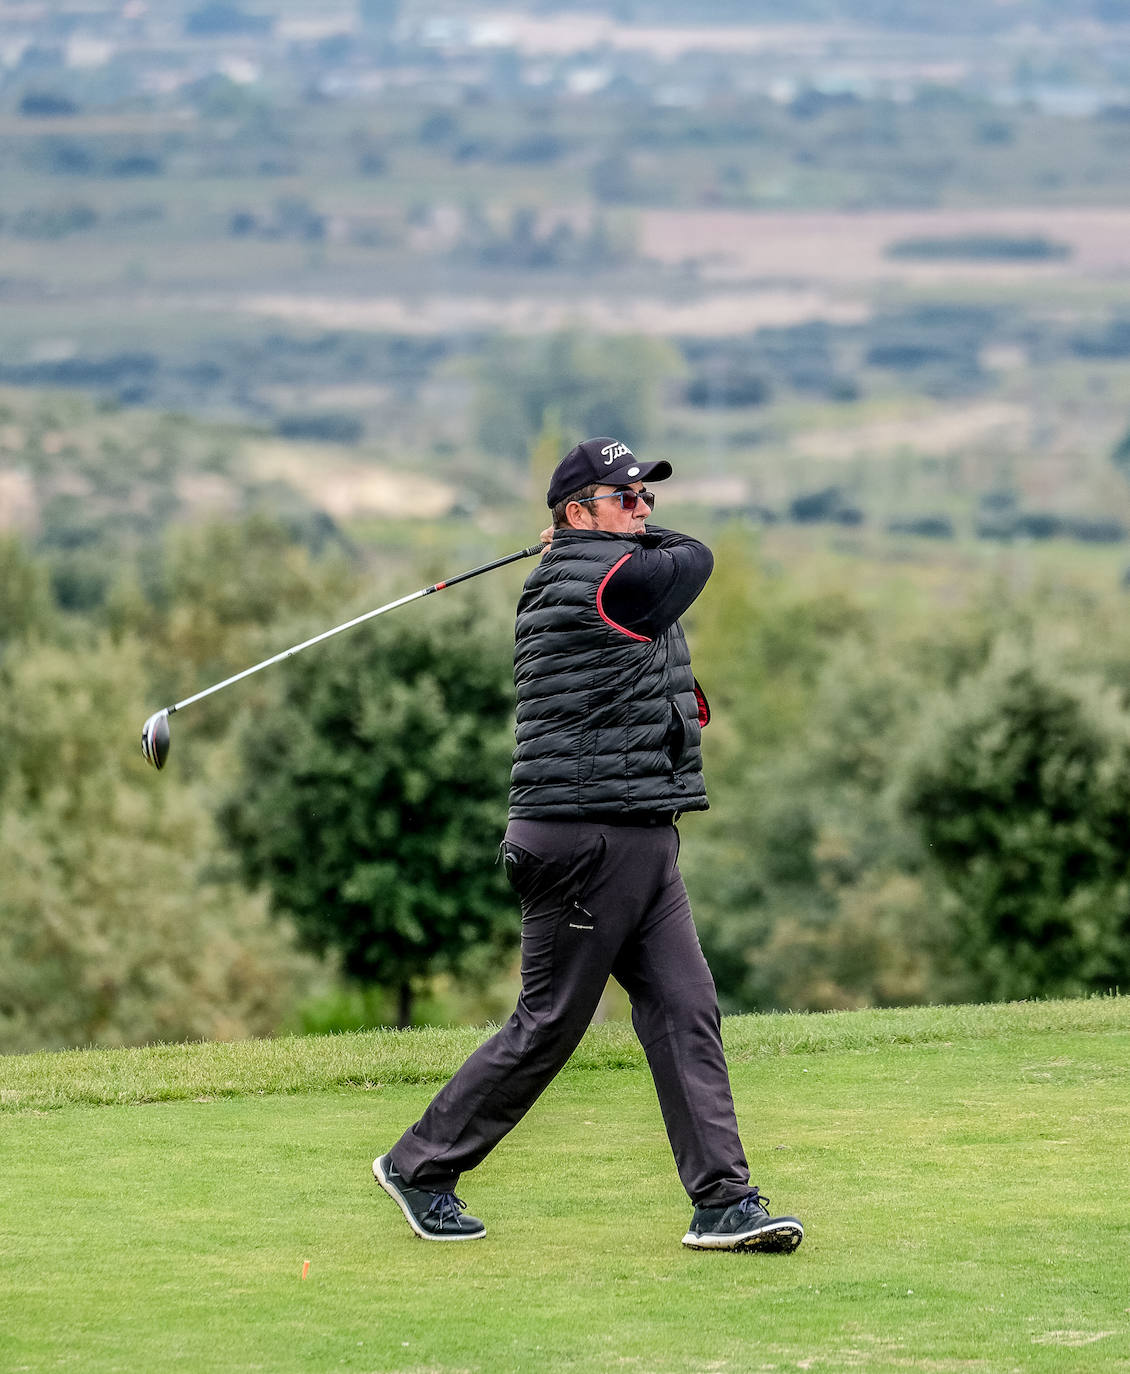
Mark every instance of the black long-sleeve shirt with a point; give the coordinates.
(653, 587)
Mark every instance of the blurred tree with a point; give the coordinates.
(225, 595)
(373, 797)
(379, 16)
(326, 426)
(46, 105)
(219, 97)
(759, 644)
(799, 873)
(118, 924)
(1120, 455)
(216, 17)
(547, 450)
(25, 595)
(612, 178)
(438, 127)
(1020, 787)
(595, 385)
(728, 384)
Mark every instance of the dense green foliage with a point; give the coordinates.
(1020, 785)
(904, 810)
(372, 796)
(868, 843)
(122, 919)
(119, 920)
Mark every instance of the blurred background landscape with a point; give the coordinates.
(299, 304)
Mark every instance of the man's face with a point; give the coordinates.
(603, 512)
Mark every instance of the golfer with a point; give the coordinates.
(609, 717)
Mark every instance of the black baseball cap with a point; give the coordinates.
(602, 460)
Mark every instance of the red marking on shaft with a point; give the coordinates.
(439, 586)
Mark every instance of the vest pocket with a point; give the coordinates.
(675, 741)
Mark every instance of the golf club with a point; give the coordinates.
(155, 731)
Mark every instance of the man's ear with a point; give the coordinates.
(575, 513)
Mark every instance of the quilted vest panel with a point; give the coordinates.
(607, 720)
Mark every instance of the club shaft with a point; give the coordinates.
(357, 620)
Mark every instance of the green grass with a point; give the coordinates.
(960, 1172)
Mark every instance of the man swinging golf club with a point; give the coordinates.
(609, 717)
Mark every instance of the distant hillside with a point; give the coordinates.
(925, 16)
(74, 473)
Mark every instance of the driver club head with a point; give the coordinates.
(155, 738)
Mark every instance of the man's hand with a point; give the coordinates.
(546, 536)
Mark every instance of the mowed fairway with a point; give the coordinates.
(961, 1174)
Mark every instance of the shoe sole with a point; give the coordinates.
(391, 1189)
(779, 1239)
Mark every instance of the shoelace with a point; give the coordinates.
(446, 1207)
(753, 1202)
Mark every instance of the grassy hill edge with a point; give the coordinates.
(372, 1059)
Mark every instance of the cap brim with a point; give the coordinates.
(633, 471)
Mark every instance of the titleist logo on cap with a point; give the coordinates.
(610, 452)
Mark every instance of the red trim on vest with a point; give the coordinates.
(643, 639)
(703, 706)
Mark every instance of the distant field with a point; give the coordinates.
(609, 312)
(582, 33)
(742, 270)
(344, 486)
(940, 431)
(345, 482)
(841, 247)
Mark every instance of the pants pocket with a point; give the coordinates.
(531, 877)
(547, 885)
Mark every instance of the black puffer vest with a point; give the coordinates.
(607, 720)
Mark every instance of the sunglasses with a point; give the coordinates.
(629, 500)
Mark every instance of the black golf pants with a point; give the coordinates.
(596, 900)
